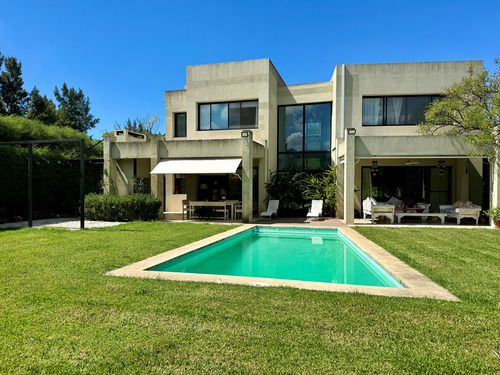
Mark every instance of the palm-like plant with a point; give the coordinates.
(322, 186)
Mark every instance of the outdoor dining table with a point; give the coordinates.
(227, 207)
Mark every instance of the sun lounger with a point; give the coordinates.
(316, 209)
(272, 209)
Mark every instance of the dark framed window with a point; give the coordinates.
(304, 133)
(180, 184)
(395, 110)
(180, 125)
(230, 115)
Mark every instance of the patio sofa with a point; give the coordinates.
(460, 210)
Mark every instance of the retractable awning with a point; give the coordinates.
(196, 166)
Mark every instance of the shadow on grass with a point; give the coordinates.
(10, 229)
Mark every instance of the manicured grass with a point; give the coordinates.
(59, 313)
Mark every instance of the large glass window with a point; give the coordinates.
(396, 110)
(180, 125)
(304, 136)
(234, 115)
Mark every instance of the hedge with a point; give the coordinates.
(56, 170)
(111, 207)
(14, 128)
(56, 183)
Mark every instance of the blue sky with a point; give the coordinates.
(125, 54)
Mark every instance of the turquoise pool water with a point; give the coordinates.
(323, 255)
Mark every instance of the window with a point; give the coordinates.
(395, 110)
(180, 125)
(304, 136)
(233, 115)
(180, 184)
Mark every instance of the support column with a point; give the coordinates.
(157, 187)
(109, 166)
(247, 178)
(495, 184)
(349, 177)
(262, 173)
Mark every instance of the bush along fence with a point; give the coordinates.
(111, 207)
(56, 183)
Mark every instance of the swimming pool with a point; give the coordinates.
(415, 284)
(305, 254)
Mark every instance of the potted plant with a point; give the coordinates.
(494, 214)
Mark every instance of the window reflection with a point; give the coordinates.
(180, 125)
(304, 128)
(233, 115)
(218, 116)
(396, 110)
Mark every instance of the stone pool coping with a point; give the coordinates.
(416, 284)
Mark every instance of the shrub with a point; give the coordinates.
(494, 213)
(110, 207)
(286, 186)
(322, 186)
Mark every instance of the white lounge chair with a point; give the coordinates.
(272, 209)
(316, 208)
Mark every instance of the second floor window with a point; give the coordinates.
(232, 115)
(180, 125)
(395, 110)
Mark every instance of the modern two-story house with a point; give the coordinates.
(236, 123)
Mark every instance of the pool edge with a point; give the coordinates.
(416, 284)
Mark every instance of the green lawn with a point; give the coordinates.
(59, 313)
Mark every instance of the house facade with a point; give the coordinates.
(236, 123)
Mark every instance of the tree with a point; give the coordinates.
(41, 108)
(140, 125)
(74, 109)
(13, 98)
(470, 108)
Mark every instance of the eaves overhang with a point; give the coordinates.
(411, 146)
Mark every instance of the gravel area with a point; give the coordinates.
(66, 223)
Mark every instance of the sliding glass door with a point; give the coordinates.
(410, 184)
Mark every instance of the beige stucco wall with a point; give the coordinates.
(422, 78)
(224, 82)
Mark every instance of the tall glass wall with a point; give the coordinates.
(304, 133)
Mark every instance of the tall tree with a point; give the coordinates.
(74, 109)
(470, 108)
(13, 98)
(41, 108)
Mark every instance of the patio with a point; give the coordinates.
(338, 223)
